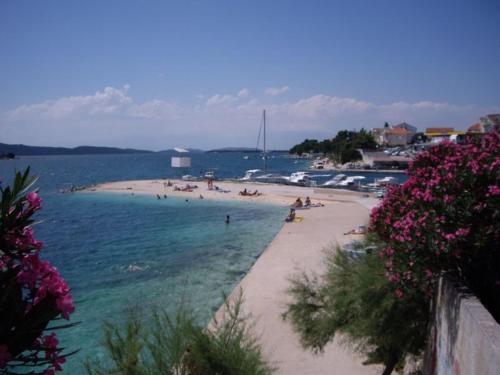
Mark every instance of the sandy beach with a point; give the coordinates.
(297, 247)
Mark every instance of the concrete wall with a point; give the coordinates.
(465, 339)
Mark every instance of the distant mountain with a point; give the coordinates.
(242, 149)
(81, 150)
(193, 150)
(235, 149)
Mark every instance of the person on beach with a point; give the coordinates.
(201, 196)
(291, 216)
(298, 203)
(227, 219)
(308, 201)
(158, 196)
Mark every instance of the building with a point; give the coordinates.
(475, 128)
(436, 135)
(486, 124)
(412, 130)
(396, 135)
(490, 122)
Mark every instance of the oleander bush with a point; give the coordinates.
(354, 299)
(34, 299)
(176, 344)
(445, 218)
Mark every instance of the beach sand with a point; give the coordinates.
(297, 247)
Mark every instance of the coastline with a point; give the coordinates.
(297, 247)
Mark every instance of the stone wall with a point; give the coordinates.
(464, 339)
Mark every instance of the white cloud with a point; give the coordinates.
(155, 110)
(243, 93)
(220, 100)
(112, 116)
(108, 101)
(274, 91)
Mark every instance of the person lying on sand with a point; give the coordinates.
(255, 193)
(244, 192)
(361, 229)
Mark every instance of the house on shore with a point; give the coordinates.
(394, 135)
(437, 135)
(486, 124)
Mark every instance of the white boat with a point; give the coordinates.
(209, 175)
(350, 181)
(251, 174)
(319, 164)
(272, 178)
(335, 180)
(386, 181)
(246, 157)
(300, 178)
(188, 177)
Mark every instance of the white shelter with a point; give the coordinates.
(181, 161)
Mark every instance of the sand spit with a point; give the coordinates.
(297, 247)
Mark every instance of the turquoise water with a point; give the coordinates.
(153, 253)
(120, 250)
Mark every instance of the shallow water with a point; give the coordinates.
(120, 250)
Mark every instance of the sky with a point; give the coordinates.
(160, 74)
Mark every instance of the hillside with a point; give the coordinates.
(80, 150)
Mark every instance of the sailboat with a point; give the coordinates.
(261, 175)
(262, 129)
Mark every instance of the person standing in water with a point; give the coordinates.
(227, 219)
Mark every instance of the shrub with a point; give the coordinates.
(355, 299)
(176, 344)
(32, 292)
(446, 217)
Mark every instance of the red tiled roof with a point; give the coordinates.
(474, 128)
(439, 130)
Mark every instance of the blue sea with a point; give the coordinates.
(117, 251)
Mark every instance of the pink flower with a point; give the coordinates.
(34, 200)
(493, 190)
(65, 305)
(5, 356)
(398, 293)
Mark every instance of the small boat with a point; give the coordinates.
(251, 174)
(209, 175)
(188, 177)
(299, 178)
(335, 180)
(246, 157)
(318, 164)
(272, 178)
(386, 181)
(351, 181)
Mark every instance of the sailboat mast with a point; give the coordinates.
(265, 150)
